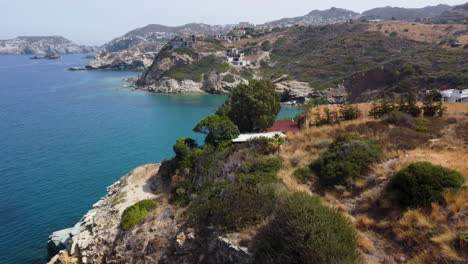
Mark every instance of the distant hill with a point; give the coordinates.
(457, 15)
(406, 14)
(318, 17)
(41, 45)
(162, 34)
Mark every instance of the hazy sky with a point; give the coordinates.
(98, 21)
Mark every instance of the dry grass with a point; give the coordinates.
(387, 232)
(420, 32)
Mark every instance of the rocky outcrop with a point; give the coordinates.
(42, 45)
(48, 56)
(157, 78)
(163, 237)
(132, 59)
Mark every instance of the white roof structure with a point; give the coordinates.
(454, 95)
(247, 137)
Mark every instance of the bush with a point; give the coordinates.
(328, 117)
(136, 213)
(382, 108)
(303, 175)
(182, 148)
(400, 119)
(252, 107)
(409, 105)
(346, 158)
(218, 129)
(422, 183)
(229, 78)
(349, 112)
(305, 231)
(248, 199)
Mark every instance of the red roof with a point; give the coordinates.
(284, 126)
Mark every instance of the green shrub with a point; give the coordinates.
(305, 231)
(422, 183)
(229, 78)
(346, 158)
(422, 129)
(248, 199)
(349, 112)
(393, 34)
(303, 175)
(409, 105)
(182, 148)
(222, 67)
(136, 213)
(382, 108)
(217, 128)
(252, 107)
(328, 117)
(400, 119)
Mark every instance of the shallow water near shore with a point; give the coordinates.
(65, 136)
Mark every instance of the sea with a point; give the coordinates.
(67, 135)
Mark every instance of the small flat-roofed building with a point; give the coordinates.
(247, 137)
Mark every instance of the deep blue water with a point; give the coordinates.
(66, 136)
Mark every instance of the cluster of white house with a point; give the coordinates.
(454, 96)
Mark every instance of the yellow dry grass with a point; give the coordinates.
(421, 32)
(426, 235)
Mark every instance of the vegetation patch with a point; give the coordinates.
(136, 213)
(305, 231)
(346, 158)
(422, 183)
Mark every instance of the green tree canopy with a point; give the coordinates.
(217, 128)
(252, 107)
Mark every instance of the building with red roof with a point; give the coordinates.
(284, 127)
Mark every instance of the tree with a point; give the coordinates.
(217, 128)
(252, 107)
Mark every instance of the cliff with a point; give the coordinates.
(135, 58)
(42, 45)
(162, 238)
(190, 70)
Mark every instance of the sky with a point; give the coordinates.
(94, 22)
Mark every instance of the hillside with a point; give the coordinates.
(356, 63)
(457, 15)
(41, 45)
(266, 201)
(317, 17)
(406, 14)
(162, 34)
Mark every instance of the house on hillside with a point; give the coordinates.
(284, 127)
(184, 42)
(234, 57)
(454, 95)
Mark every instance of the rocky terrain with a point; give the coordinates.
(134, 58)
(185, 70)
(162, 238)
(42, 45)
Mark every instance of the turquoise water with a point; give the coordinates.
(66, 136)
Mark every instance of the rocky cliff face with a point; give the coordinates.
(42, 45)
(189, 71)
(163, 237)
(131, 59)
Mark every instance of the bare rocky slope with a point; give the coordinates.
(42, 45)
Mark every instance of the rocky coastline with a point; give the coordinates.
(162, 238)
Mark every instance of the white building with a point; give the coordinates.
(247, 137)
(454, 95)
